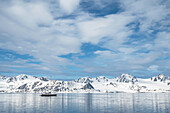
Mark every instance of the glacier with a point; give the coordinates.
(125, 83)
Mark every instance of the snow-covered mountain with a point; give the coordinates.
(126, 78)
(124, 83)
(161, 78)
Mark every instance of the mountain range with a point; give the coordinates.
(125, 83)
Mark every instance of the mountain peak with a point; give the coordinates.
(126, 75)
(101, 79)
(2, 77)
(160, 77)
(20, 78)
(24, 76)
(84, 80)
(126, 78)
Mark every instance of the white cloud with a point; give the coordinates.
(124, 62)
(29, 28)
(153, 68)
(148, 13)
(127, 50)
(162, 40)
(111, 28)
(28, 14)
(69, 5)
(106, 54)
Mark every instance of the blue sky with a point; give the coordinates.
(69, 39)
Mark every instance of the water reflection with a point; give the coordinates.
(86, 103)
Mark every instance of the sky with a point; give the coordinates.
(68, 39)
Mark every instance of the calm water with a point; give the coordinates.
(86, 103)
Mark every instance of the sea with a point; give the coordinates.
(86, 103)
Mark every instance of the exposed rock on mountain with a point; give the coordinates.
(43, 79)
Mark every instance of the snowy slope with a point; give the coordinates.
(124, 83)
(3, 84)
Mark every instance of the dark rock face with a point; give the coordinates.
(40, 89)
(36, 84)
(57, 88)
(88, 86)
(22, 87)
(113, 84)
(155, 79)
